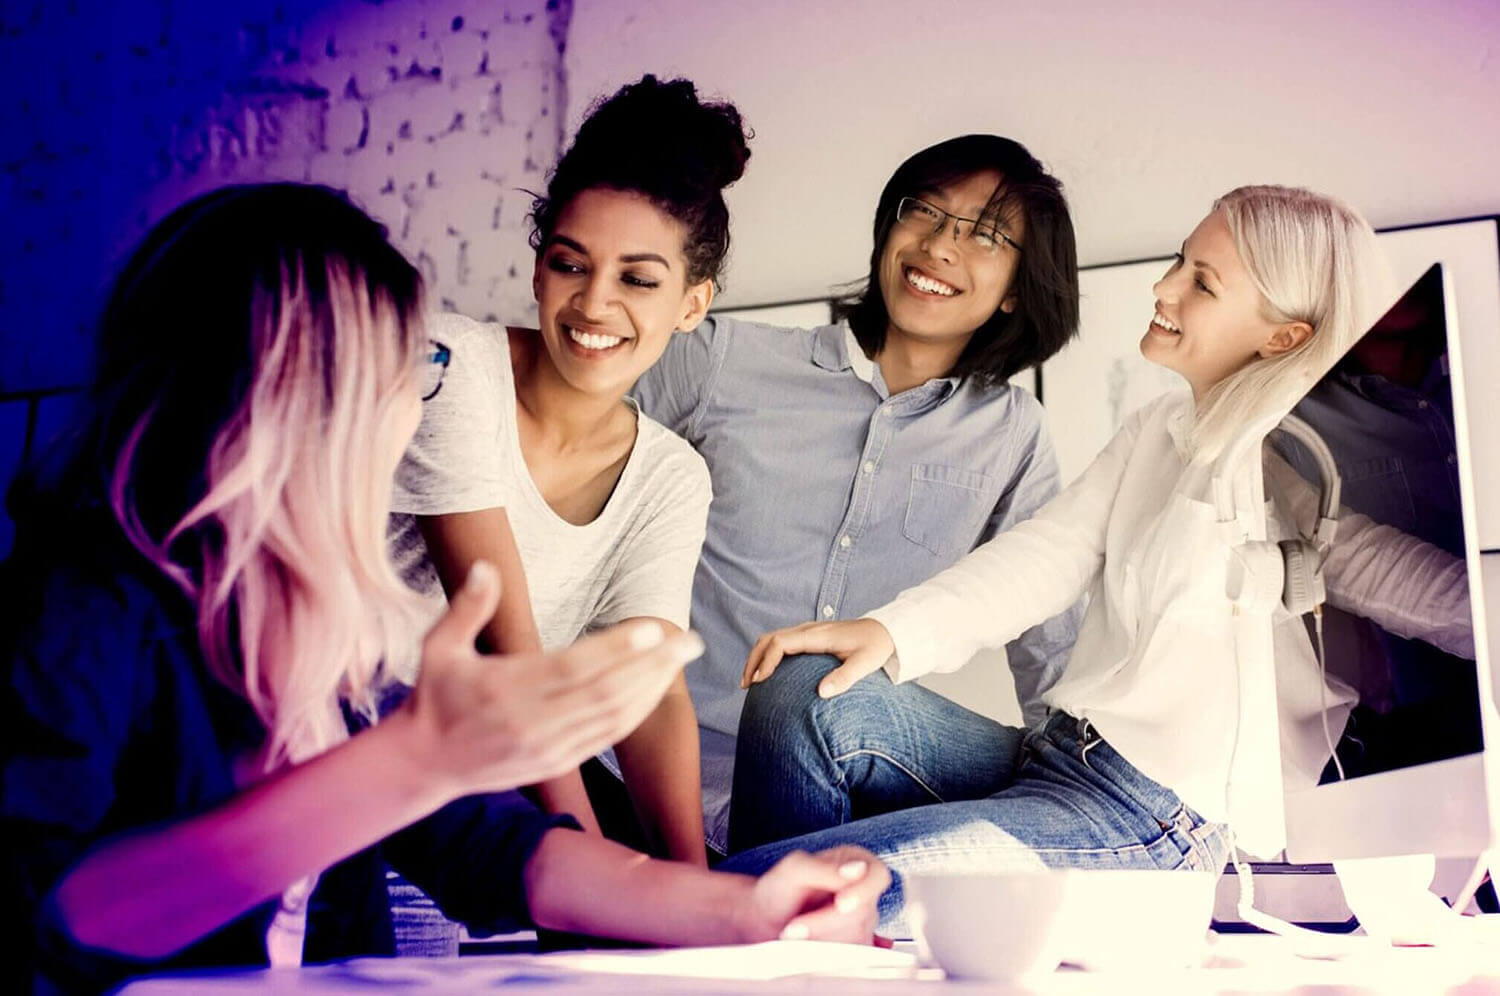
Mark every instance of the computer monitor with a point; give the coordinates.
(1420, 753)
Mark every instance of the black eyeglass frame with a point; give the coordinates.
(441, 355)
(942, 223)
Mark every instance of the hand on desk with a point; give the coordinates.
(826, 896)
(863, 645)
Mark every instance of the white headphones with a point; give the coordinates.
(1291, 571)
(1302, 558)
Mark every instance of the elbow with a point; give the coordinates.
(541, 882)
(97, 923)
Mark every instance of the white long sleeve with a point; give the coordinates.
(1026, 574)
(1406, 585)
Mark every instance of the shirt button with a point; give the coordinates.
(869, 467)
(827, 612)
(1422, 404)
(1452, 458)
(844, 542)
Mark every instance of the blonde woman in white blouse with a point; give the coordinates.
(1136, 764)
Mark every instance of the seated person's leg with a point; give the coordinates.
(1074, 803)
(804, 763)
(613, 808)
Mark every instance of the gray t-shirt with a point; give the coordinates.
(636, 559)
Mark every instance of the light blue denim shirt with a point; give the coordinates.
(831, 496)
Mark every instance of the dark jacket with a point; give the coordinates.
(111, 723)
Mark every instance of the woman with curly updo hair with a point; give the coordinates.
(532, 456)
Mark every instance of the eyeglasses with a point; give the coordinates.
(973, 235)
(434, 365)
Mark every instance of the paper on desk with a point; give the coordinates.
(770, 960)
(581, 971)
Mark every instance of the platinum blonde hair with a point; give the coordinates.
(1313, 259)
(281, 546)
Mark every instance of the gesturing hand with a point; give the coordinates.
(827, 896)
(489, 723)
(862, 644)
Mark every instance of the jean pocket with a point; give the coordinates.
(1205, 846)
(947, 507)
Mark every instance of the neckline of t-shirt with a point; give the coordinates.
(528, 484)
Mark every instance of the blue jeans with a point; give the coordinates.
(930, 786)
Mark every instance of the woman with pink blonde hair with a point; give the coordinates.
(203, 622)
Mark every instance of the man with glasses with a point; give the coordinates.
(852, 461)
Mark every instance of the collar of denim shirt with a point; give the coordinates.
(835, 349)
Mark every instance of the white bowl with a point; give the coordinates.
(1021, 924)
(988, 926)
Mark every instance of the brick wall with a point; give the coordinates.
(432, 115)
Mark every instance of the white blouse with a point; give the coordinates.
(1155, 666)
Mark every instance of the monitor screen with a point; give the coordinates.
(1385, 412)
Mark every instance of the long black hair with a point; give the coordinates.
(657, 139)
(1045, 286)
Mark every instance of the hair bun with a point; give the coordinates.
(660, 140)
(663, 126)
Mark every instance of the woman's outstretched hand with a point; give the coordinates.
(826, 896)
(862, 644)
(488, 723)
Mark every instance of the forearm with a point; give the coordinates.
(1032, 571)
(566, 794)
(660, 765)
(1019, 578)
(155, 892)
(455, 542)
(1411, 588)
(589, 885)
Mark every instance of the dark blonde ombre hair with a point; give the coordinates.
(253, 358)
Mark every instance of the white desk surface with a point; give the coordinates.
(1238, 963)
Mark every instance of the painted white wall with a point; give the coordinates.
(1146, 111)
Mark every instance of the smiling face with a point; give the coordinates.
(934, 288)
(1210, 319)
(611, 288)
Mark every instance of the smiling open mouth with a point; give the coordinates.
(593, 340)
(1157, 321)
(928, 285)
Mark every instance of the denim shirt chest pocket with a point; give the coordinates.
(1378, 487)
(947, 507)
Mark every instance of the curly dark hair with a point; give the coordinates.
(657, 139)
(1046, 281)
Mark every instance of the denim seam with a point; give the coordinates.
(1019, 846)
(839, 783)
(840, 759)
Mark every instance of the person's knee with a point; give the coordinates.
(786, 700)
(785, 711)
